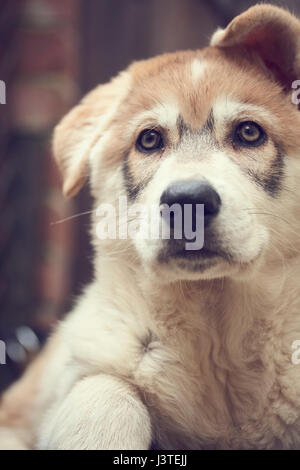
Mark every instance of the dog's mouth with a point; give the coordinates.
(194, 260)
(209, 259)
(202, 254)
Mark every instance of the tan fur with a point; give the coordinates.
(18, 404)
(152, 353)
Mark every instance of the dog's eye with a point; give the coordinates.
(149, 140)
(249, 133)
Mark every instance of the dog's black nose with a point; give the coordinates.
(193, 192)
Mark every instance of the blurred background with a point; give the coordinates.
(51, 53)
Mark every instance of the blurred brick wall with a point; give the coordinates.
(40, 65)
(46, 82)
(44, 89)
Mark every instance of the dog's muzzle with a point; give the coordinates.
(188, 209)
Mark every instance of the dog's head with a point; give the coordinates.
(214, 132)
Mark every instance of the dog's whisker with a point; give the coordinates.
(74, 216)
(284, 243)
(273, 215)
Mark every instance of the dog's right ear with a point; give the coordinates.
(77, 133)
(272, 35)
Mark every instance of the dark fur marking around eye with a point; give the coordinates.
(182, 127)
(132, 188)
(210, 123)
(271, 180)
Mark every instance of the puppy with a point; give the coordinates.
(168, 347)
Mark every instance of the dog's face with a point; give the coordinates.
(215, 128)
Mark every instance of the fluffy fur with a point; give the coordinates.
(159, 351)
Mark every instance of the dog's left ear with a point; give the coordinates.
(77, 133)
(272, 35)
